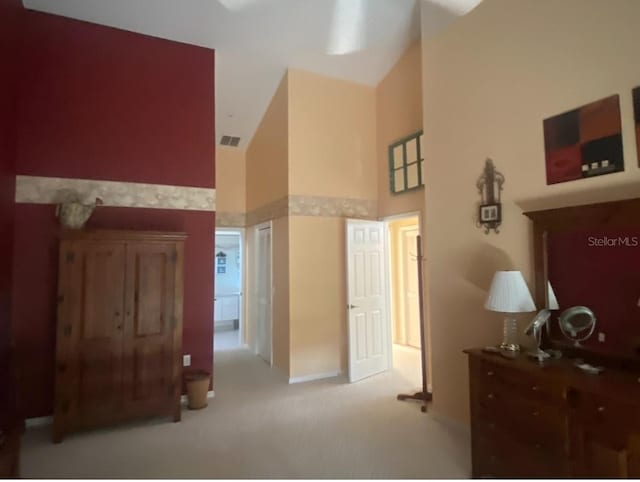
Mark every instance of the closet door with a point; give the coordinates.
(89, 333)
(152, 354)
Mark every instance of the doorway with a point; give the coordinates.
(263, 289)
(403, 232)
(229, 282)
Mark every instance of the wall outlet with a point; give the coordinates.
(601, 337)
(186, 360)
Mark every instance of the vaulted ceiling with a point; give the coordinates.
(257, 40)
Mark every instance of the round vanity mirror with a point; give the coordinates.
(577, 323)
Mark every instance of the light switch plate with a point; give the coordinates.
(186, 360)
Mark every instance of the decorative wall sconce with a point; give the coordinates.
(489, 187)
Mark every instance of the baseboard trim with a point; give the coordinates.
(38, 421)
(315, 376)
(210, 394)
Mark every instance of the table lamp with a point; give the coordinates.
(509, 294)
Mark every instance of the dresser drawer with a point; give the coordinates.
(501, 456)
(539, 425)
(597, 410)
(520, 382)
(546, 434)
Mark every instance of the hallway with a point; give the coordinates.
(258, 426)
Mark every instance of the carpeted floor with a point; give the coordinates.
(258, 426)
(226, 338)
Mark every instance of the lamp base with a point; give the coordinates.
(510, 335)
(509, 346)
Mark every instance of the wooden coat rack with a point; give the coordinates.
(423, 396)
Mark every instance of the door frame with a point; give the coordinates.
(389, 268)
(402, 231)
(257, 228)
(243, 279)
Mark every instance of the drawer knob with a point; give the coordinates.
(535, 413)
(492, 426)
(491, 396)
(601, 409)
(489, 373)
(538, 446)
(535, 388)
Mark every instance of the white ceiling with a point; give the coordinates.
(257, 40)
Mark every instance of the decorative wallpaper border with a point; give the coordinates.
(52, 190)
(274, 210)
(297, 205)
(332, 207)
(230, 220)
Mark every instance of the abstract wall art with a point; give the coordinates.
(636, 118)
(584, 142)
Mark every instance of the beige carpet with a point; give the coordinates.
(258, 426)
(225, 339)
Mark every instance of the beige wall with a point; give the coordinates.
(268, 153)
(318, 296)
(267, 181)
(399, 114)
(332, 128)
(231, 179)
(489, 81)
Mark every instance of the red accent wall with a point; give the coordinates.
(10, 16)
(101, 103)
(107, 104)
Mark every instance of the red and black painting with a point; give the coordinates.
(584, 142)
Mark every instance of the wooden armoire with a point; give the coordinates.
(119, 328)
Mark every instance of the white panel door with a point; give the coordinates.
(410, 302)
(263, 292)
(369, 328)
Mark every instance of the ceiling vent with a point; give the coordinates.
(230, 141)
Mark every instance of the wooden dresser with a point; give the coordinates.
(552, 421)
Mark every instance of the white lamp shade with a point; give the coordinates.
(509, 293)
(552, 301)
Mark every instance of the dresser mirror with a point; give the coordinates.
(587, 259)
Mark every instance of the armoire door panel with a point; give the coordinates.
(90, 348)
(150, 282)
(149, 346)
(102, 292)
(150, 376)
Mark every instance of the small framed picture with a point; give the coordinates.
(222, 269)
(490, 213)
